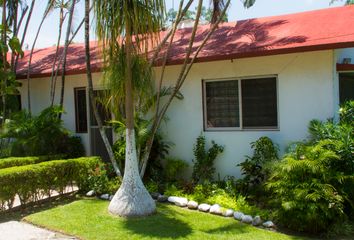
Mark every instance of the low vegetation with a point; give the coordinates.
(30, 182)
(22, 161)
(89, 219)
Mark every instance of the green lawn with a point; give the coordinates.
(89, 219)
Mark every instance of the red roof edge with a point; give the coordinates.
(344, 67)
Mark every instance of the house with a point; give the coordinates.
(258, 77)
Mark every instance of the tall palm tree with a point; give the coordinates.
(128, 26)
(62, 6)
(67, 42)
(48, 9)
(90, 89)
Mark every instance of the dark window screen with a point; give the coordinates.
(259, 102)
(346, 87)
(222, 104)
(80, 110)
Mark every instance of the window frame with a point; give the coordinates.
(241, 127)
(76, 89)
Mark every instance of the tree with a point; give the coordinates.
(67, 42)
(128, 27)
(90, 89)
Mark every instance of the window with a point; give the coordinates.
(241, 104)
(346, 87)
(80, 110)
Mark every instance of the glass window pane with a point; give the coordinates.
(259, 103)
(346, 87)
(80, 110)
(222, 104)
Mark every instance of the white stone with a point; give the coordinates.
(204, 207)
(228, 213)
(192, 205)
(215, 209)
(247, 219)
(172, 199)
(269, 224)
(181, 202)
(90, 193)
(238, 215)
(105, 196)
(257, 221)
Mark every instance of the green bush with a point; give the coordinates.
(40, 135)
(173, 169)
(99, 181)
(21, 161)
(303, 193)
(254, 169)
(30, 182)
(203, 169)
(346, 113)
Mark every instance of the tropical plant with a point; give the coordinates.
(173, 168)
(303, 190)
(40, 135)
(254, 169)
(203, 168)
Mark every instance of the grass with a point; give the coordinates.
(89, 219)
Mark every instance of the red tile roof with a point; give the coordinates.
(330, 28)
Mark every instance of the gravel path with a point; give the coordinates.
(14, 230)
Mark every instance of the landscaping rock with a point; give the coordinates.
(155, 195)
(228, 213)
(257, 221)
(192, 205)
(238, 215)
(269, 224)
(215, 209)
(172, 199)
(90, 193)
(247, 219)
(181, 202)
(105, 196)
(162, 198)
(204, 207)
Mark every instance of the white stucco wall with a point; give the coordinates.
(306, 86)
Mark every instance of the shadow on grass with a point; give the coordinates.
(160, 225)
(18, 213)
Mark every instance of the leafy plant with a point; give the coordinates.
(173, 168)
(346, 113)
(302, 189)
(40, 135)
(203, 169)
(254, 168)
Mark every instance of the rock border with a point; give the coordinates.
(214, 209)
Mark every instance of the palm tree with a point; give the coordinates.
(90, 89)
(67, 42)
(49, 7)
(62, 5)
(129, 26)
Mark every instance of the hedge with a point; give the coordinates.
(22, 161)
(32, 182)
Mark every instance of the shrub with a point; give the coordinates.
(347, 112)
(302, 189)
(99, 181)
(173, 169)
(30, 182)
(203, 169)
(40, 135)
(254, 169)
(22, 161)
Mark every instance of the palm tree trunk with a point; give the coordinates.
(4, 58)
(14, 30)
(70, 20)
(25, 31)
(90, 90)
(132, 199)
(52, 79)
